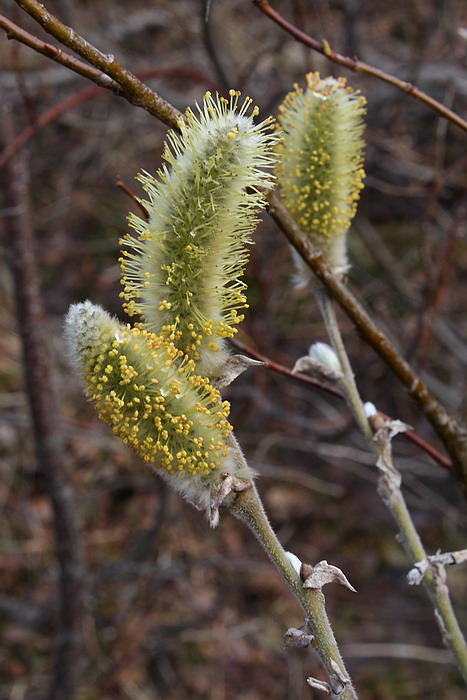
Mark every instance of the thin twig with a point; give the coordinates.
(69, 103)
(132, 89)
(389, 488)
(45, 413)
(281, 369)
(347, 382)
(210, 44)
(13, 31)
(452, 434)
(435, 454)
(420, 568)
(359, 66)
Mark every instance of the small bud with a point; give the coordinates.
(324, 353)
(295, 561)
(370, 409)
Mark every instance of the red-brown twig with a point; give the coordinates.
(69, 103)
(129, 193)
(305, 379)
(359, 66)
(109, 74)
(13, 31)
(45, 414)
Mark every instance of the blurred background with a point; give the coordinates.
(174, 609)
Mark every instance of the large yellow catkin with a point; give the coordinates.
(164, 412)
(182, 269)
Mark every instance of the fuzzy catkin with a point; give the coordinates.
(166, 414)
(181, 270)
(320, 166)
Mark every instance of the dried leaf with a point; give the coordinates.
(297, 638)
(232, 368)
(220, 492)
(324, 573)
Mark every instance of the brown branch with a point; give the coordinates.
(128, 85)
(305, 379)
(48, 434)
(359, 66)
(453, 435)
(46, 118)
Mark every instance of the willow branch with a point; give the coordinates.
(132, 89)
(452, 434)
(71, 38)
(355, 64)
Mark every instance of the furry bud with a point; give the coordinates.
(321, 167)
(166, 414)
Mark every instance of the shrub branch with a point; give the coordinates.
(358, 66)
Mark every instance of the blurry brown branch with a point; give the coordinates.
(45, 413)
(49, 116)
(359, 66)
(452, 434)
(129, 86)
(13, 31)
(437, 289)
(298, 376)
(89, 93)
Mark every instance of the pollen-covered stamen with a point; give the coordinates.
(182, 269)
(321, 167)
(167, 415)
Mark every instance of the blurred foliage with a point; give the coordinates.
(176, 610)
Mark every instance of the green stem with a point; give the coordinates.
(389, 490)
(248, 508)
(433, 580)
(354, 401)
